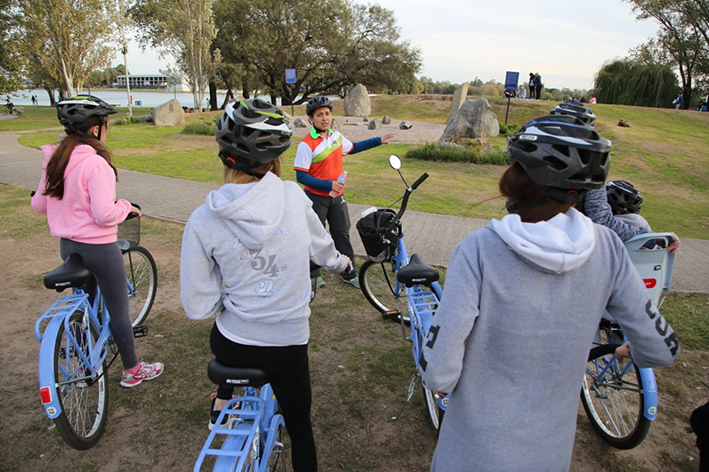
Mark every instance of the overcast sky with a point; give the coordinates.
(566, 41)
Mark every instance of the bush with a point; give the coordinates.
(508, 130)
(128, 120)
(200, 127)
(450, 152)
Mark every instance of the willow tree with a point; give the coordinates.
(185, 29)
(631, 82)
(64, 40)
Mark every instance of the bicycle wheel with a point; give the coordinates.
(4, 111)
(142, 276)
(614, 402)
(378, 283)
(84, 402)
(277, 457)
(434, 411)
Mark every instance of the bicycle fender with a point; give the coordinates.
(649, 393)
(47, 375)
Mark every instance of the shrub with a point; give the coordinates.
(128, 120)
(508, 130)
(450, 152)
(199, 127)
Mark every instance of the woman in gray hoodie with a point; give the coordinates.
(245, 259)
(523, 300)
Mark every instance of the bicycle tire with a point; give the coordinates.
(378, 282)
(4, 112)
(277, 456)
(142, 275)
(434, 411)
(614, 403)
(84, 403)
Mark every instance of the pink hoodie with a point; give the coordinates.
(88, 213)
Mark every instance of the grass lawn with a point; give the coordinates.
(662, 154)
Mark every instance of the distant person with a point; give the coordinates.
(522, 92)
(592, 101)
(34, 99)
(9, 105)
(531, 84)
(538, 86)
(511, 282)
(678, 101)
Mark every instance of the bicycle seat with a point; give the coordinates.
(222, 374)
(417, 272)
(71, 273)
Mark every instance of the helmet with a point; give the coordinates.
(570, 119)
(252, 129)
(557, 154)
(75, 111)
(623, 197)
(576, 109)
(316, 102)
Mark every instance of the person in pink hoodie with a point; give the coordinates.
(77, 192)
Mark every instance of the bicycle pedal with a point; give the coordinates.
(140, 331)
(391, 315)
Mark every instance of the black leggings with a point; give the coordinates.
(288, 369)
(105, 262)
(335, 212)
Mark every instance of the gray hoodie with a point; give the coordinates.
(521, 305)
(245, 257)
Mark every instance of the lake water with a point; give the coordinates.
(119, 98)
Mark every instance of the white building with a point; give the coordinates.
(152, 81)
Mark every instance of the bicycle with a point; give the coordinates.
(620, 399)
(401, 288)
(250, 436)
(11, 111)
(76, 341)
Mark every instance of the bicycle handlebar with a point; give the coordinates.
(419, 181)
(405, 201)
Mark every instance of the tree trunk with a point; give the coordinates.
(229, 95)
(50, 92)
(213, 96)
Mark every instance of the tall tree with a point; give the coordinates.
(10, 57)
(186, 29)
(632, 82)
(64, 40)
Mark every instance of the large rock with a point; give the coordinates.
(475, 119)
(386, 120)
(459, 97)
(375, 124)
(357, 102)
(299, 123)
(168, 114)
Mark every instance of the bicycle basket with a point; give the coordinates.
(129, 229)
(380, 243)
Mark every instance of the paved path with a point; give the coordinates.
(431, 236)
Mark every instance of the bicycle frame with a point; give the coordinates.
(255, 420)
(92, 354)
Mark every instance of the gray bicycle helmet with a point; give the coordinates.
(623, 197)
(561, 155)
(576, 109)
(252, 129)
(316, 102)
(74, 111)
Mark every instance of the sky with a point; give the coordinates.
(565, 41)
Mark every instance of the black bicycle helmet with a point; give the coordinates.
(561, 155)
(74, 111)
(577, 109)
(569, 119)
(252, 129)
(316, 102)
(623, 197)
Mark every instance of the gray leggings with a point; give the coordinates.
(105, 262)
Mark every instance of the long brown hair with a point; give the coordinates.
(516, 185)
(234, 176)
(60, 159)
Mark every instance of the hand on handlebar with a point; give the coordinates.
(675, 244)
(623, 351)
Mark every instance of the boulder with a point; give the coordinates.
(366, 119)
(299, 123)
(375, 124)
(335, 124)
(405, 125)
(459, 97)
(386, 120)
(357, 102)
(169, 113)
(475, 119)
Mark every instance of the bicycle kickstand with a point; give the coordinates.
(415, 381)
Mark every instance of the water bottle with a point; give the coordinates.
(341, 178)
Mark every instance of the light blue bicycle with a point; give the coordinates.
(76, 342)
(401, 288)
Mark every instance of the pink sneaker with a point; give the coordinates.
(143, 372)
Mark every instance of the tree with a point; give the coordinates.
(184, 28)
(64, 40)
(631, 82)
(10, 58)
(331, 45)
